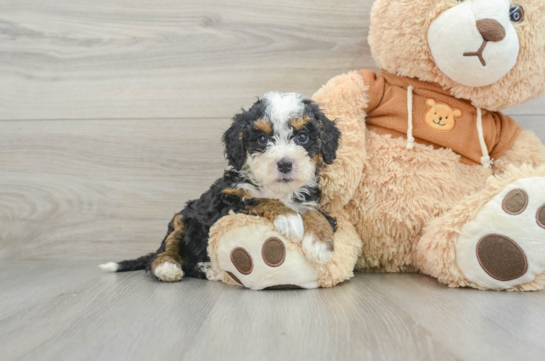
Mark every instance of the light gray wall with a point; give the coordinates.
(111, 112)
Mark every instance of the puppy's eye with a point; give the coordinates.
(516, 13)
(263, 140)
(302, 138)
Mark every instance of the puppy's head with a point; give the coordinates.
(280, 142)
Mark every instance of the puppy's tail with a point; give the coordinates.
(129, 265)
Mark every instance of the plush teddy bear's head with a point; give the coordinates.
(491, 52)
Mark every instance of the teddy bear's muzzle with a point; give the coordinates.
(474, 43)
(491, 31)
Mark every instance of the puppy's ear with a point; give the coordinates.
(235, 149)
(330, 137)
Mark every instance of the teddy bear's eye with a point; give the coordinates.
(516, 13)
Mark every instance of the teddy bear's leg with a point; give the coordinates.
(257, 256)
(251, 252)
(347, 250)
(494, 239)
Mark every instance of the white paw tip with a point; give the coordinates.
(211, 274)
(109, 267)
(291, 226)
(316, 250)
(168, 272)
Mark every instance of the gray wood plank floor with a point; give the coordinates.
(69, 310)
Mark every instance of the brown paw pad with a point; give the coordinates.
(501, 257)
(541, 216)
(515, 202)
(242, 261)
(273, 252)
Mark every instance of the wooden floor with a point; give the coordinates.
(111, 115)
(68, 310)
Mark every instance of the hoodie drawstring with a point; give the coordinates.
(485, 159)
(410, 138)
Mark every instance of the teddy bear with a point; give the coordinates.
(430, 177)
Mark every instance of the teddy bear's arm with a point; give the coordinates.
(344, 99)
(527, 149)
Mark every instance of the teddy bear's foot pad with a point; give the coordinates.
(260, 258)
(504, 245)
(501, 257)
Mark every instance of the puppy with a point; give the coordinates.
(275, 151)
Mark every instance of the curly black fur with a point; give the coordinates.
(199, 216)
(329, 133)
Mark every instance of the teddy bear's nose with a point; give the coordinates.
(491, 30)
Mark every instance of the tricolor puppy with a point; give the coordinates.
(275, 150)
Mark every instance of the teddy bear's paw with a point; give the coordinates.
(504, 245)
(168, 272)
(290, 226)
(317, 250)
(259, 257)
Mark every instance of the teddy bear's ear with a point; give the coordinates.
(431, 103)
(457, 113)
(235, 149)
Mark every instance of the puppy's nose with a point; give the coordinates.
(491, 30)
(285, 165)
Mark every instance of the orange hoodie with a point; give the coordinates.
(438, 119)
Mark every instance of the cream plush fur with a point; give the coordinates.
(421, 209)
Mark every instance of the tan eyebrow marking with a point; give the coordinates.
(299, 123)
(264, 126)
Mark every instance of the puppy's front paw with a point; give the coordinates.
(211, 273)
(168, 272)
(290, 226)
(317, 250)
